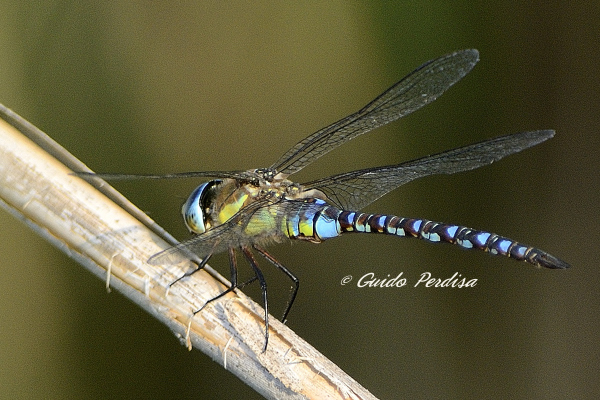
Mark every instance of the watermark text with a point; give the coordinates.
(426, 279)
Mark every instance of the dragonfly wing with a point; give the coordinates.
(355, 190)
(213, 241)
(419, 88)
(241, 175)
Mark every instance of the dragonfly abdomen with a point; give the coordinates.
(314, 221)
(431, 231)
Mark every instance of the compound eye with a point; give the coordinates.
(195, 209)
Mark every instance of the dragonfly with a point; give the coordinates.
(248, 210)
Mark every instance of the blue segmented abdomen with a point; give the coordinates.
(431, 231)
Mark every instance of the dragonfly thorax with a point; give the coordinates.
(215, 202)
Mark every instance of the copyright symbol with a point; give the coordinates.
(346, 279)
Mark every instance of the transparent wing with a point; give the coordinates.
(259, 222)
(355, 190)
(241, 175)
(419, 88)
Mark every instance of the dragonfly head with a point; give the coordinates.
(197, 207)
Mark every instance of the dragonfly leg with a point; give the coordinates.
(263, 287)
(200, 266)
(289, 273)
(232, 263)
(233, 279)
(234, 284)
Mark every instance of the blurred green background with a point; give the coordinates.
(143, 87)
